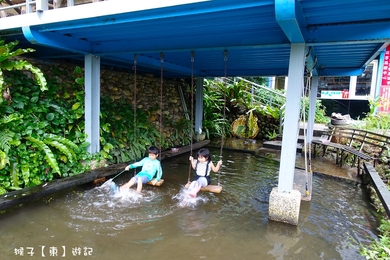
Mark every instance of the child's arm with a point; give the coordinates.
(135, 165)
(159, 172)
(216, 168)
(192, 162)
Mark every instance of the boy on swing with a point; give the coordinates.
(150, 167)
(202, 166)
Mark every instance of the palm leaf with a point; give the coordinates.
(49, 156)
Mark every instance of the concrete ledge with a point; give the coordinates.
(379, 186)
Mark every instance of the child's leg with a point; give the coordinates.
(128, 184)
(139, 185)
(194, 189)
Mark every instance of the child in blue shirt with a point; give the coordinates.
(150, 167)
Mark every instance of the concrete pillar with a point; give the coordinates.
(285, 202)
(41, 5)
(92, 102)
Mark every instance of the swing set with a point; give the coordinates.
(210, 188)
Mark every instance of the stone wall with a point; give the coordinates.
(120, 85)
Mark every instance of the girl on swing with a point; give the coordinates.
(202, 166)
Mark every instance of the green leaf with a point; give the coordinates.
(34, 99)
(65, 150)
(3, 159)
(76, 106)
(14, 175)
(62, 140)
(50, 116)
(79, 81)
(49, 156)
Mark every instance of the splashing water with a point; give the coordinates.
(186, 201)
(124, 196)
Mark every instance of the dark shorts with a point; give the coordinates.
(144, 179)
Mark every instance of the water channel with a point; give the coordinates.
(90, 223)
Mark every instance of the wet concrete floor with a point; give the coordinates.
(319, 165)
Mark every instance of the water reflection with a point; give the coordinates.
(231, 225)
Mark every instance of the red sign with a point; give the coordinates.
(384, 104)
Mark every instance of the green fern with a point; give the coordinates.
(6, 63)
(15, 176)
(64, 141)
(6, 137)
(49, 156)
(3, 159)
(63, 148)
(10, 118)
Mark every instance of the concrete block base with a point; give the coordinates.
(284, 207)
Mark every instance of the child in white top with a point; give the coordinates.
(202, 166)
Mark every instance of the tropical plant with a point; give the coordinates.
(379, 248)
(181, 134)
(117, 130)
(40, 125)
(64, 145)
(272, 135)
(9, 63)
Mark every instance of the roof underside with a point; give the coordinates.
(226, 37)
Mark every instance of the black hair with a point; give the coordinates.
(153, 149)
(204, 152)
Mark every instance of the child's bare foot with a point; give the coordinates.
(192, 194)
(114, 188)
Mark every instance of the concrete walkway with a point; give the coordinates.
(319, 165)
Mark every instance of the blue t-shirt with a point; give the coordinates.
(149, 168)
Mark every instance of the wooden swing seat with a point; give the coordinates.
(209, 188)
(159, 183)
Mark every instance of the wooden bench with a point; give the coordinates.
(361, 144)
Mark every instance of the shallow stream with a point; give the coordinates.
(91, 223)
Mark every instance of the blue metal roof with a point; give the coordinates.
(342, 36)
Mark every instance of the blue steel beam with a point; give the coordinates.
(290, 17)
(348, 33)
(55, 40)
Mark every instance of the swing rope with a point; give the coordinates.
(135, 113)
(225, 58)
(161, 98)
(135, 108)
(307, 161)
(192, 110)
(135, 102)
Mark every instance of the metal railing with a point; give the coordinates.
(31, 6)
(265, 96)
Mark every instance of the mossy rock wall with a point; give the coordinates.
(120, 85)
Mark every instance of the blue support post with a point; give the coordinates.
(92, 102)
